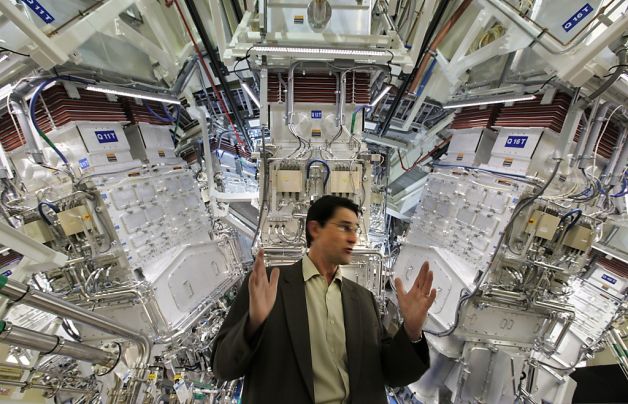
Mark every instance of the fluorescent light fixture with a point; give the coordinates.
(497, 99)
(624, 76)
(380, 96)
(3, 58)
(248, 90)
(144, 95)
(321, 51)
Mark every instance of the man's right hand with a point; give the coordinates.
(262, 294)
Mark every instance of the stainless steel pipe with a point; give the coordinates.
(19, 292)
(52, 344)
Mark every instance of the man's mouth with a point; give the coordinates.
(348, 250)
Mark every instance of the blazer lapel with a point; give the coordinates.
(295, 307)
(353, 332)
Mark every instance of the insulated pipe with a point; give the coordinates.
(619, 159)
(582, 140)
(19, 292)
(587, 155)
(51, 344)
(31, 143)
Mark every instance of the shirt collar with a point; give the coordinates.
(310, 271)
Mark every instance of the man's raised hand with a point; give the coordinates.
(415, 303)
(262, 294)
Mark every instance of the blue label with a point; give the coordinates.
(84, 163)
(317, 114)
(518, 142)
(576, 18)
(7, 273)
(609, 279)
(39, 10)
(106, 136)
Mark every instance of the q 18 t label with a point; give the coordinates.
(106, 136)
(576, 18)
(518, 142)
(317, 114)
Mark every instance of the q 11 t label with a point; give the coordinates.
(518, 142)
(39, 10)
(106, 136)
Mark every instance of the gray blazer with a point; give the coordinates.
(277, 364)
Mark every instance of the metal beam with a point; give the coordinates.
(48, 54)
(427, 143)
(384, 141)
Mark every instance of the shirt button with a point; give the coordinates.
(332, 322)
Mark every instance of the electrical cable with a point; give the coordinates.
(577, 212)
(40, 209)
(2, 48)
(32, 111)
(324, 163)
(168, 119)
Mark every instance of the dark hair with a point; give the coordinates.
(324, 209)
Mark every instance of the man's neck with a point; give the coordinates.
(325, 268)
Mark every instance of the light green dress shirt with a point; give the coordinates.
(327, 335)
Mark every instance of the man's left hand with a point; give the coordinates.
(416, 302)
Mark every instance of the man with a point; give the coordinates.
(306, 335)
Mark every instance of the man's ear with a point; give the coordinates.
(314, 228)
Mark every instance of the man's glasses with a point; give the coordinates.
(348, 228)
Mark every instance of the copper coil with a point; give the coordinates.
(615, 266)
(320, 88)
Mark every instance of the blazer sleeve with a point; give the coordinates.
(232, 352)
(402, 361)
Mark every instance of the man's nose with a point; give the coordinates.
(352, 238)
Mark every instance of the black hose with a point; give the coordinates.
(438, 15)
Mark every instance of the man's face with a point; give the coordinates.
(336, 239)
